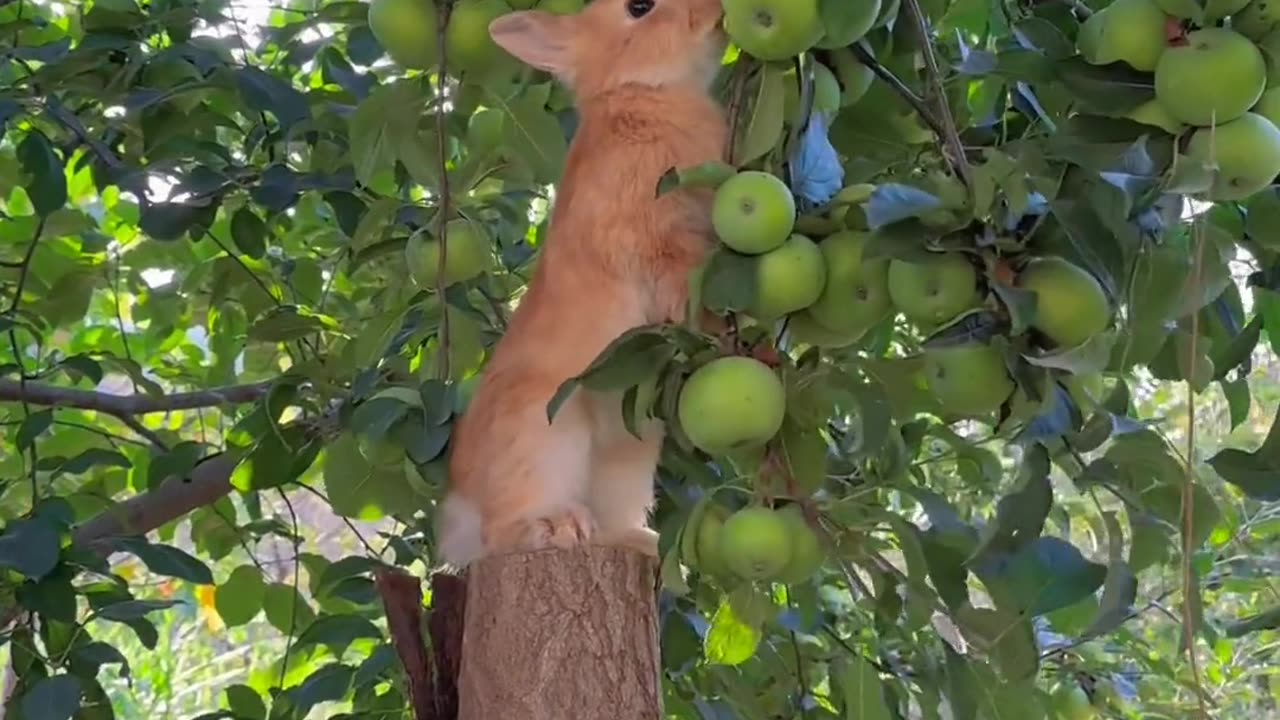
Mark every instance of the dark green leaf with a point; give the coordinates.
(265, 92)
(53, 698)
(338, 631)
(30, 547)
(165, 560)
(245, 702)
(249, 233)
(133, 609)
(47, 186)
(33, 427)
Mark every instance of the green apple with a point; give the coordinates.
(788, 278)
(561, 7)
(807, 552)
(469, 48)
(1073, 703)
(408, 30)
(854, 76)
(1269, 106)
(1257, 19)
(1202, 14)
(826, 89)
(1246, 152)
(1211, 80)
(1153, 113)
(968, 380)
(855, 295)
(484, 129)
(773, 29)
(1270, 47)
(934, 290)
(756, 543)
(855, 19)
(731, 403)
(1071, 305)
(700, 544)
(1129, 31)
(469, 254)
(753, 212)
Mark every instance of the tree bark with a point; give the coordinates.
(558, 634)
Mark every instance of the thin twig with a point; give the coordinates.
(151, 435)
(734, 110)
(23, 274)
(916, 102)
(1188, 487)
(442, 217)
(950, 135)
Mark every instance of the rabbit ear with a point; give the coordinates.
(538, 38)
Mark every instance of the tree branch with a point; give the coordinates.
(950, 134)
(916, 102)
(208, 482)
(122, 405)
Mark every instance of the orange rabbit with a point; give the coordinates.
(617, 257)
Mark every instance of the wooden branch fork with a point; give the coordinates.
(544, 635)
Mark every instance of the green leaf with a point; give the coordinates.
(1045, 575)
(729, 281)
(706, 175)
(165, 559)
(630, 359)
(289, 323)
(1120, 588)
(1257, 473)
(47, 184)
(266, 92)
(1265, 620)
(328, 684)
(762, 128)
(1020, 515)
(130, 610)
(92, 458)
(1005, 636)
(249, 233)
(532, 134)
(240, 597)
(33, 427)
(31, 547)
(286, 609)
(52, 698)
(338, 631)
(861, 688)
(245, 702)
(730, 641)
(172, 220)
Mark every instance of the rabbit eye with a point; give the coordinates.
(639, 8)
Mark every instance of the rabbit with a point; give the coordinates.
(616, 257)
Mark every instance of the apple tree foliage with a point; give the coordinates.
(207, 307)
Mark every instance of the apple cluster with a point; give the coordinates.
(409, 30)
(783, 29)
(754, 543)
(1215, 76)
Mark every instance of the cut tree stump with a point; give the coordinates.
(558, 634)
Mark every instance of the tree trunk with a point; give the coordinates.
(560, 634)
